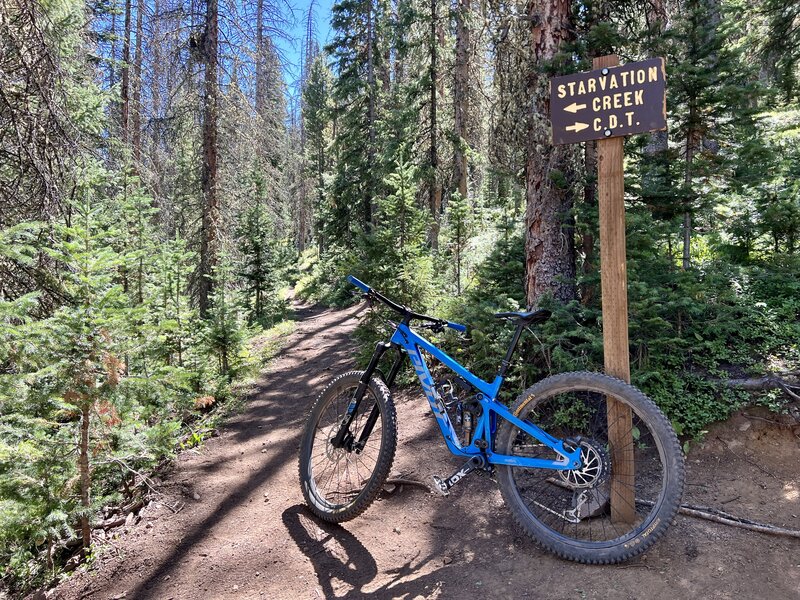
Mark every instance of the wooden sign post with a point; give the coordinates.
(606, 104)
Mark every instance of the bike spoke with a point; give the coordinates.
(340, 474)
(552, 497)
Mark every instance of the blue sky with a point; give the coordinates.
(297, 11)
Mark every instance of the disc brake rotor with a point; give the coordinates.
(594, 470)
(332, 453)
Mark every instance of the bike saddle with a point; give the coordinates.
(539, 315)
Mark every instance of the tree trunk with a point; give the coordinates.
(598, 13)
(126, 84)
(83, 470)
(549, 225)
(112, 72)
(210, 217)
(435, 191)
(687, 183)
(458, 257)
(657, 23)
(461, 95)
(786, 382)
(590, 204)
(155, 100)
(260, 60)
(367, 201)
(136, 121)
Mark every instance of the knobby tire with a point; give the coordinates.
(571, 405)
(338, 485)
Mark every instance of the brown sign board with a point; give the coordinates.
(609, 102)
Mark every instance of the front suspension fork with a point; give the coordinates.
(344, 438)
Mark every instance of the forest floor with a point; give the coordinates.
(243, 531)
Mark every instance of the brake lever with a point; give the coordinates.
(434, 327)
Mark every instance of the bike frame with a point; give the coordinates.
(412, 344)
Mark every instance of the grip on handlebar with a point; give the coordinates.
(457, 326)
(358, 283)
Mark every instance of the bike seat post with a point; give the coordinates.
(506, 362)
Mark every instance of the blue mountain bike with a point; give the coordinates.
(563, 471)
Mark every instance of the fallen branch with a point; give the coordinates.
(737, 522)
(772, 421)
(719, 516)
(175, 509)
(144, 479)
(134, 506)
(787, 390)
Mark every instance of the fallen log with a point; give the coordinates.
(111, 523)
(778, 381)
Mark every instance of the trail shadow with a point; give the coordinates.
(335, 553)
(281, 401)
(277, 412)
(311, 315)
(195, 535)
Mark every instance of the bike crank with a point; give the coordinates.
(442, 486)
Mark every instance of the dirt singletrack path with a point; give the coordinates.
(244, 531)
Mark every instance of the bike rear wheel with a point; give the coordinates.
(569, 513)
(339, 484)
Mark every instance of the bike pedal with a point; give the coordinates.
(440, 487)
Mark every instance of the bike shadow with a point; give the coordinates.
(337, 554)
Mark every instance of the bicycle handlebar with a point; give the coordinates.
(402, 309)
(457, 326)
(359, 284)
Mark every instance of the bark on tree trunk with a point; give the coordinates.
(435, 191)
(657, 23)
(113, 70)
(367, 202)
(589, 201)
(598, 13)
(687, 181)
(83, 469)
(210, 217)
(155, 100)
(126, 61)
(136, 122)
(461, 95)
(549, 240)
(260, 76)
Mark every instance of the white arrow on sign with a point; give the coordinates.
(574, 107)
(577, 127)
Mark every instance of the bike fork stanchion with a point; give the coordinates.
(373, 416)
(341, 437)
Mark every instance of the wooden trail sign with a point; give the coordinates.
(609, 101)
(605, 104)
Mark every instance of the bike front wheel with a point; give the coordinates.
(629, 486)
(340, 483)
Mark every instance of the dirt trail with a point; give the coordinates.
(249, 536)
